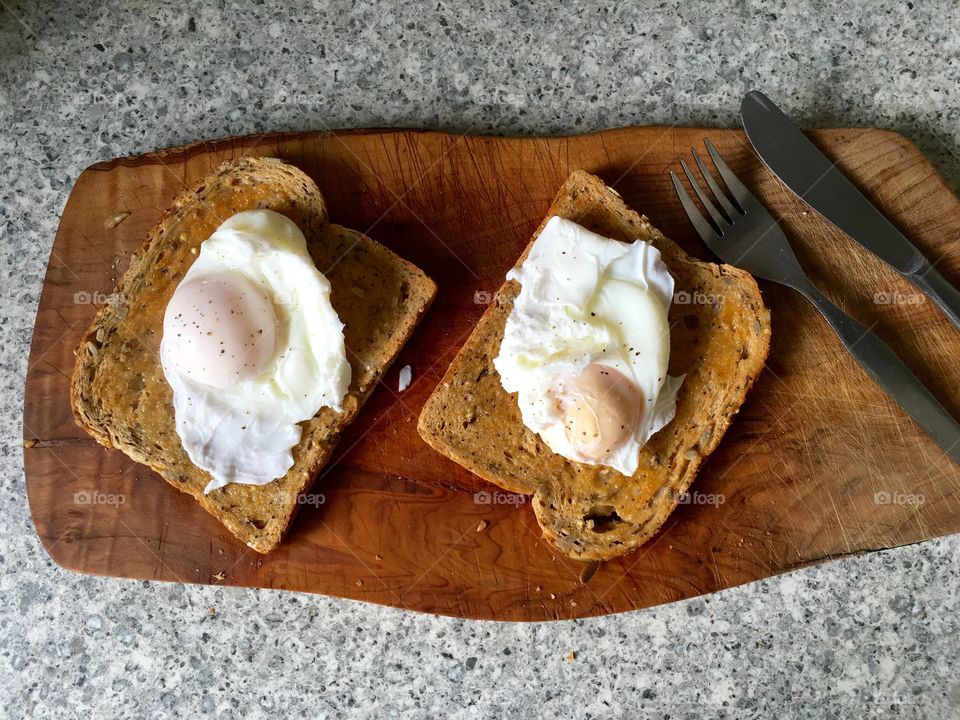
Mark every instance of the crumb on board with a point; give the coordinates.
(588, 571)
(114, 220)
(220, 575)
(406, 375)
(481, 526)
(212, 612)
(359, 583)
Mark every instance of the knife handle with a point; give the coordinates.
(883, 365)
(945, 295)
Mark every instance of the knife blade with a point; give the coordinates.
(803, 168)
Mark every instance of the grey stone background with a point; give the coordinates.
(874, 636)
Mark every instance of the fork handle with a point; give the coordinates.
(883, 365)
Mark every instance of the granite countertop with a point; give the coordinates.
(871, 636)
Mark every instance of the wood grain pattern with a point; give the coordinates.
(819, 464)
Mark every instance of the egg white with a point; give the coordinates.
(589, 299)
(245, 432)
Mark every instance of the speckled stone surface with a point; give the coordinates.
(873, 636)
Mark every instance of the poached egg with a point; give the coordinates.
(587, 345)
(251, 348)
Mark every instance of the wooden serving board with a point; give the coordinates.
(819, 463)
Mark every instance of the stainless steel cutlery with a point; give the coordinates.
(816, 180)
(743, 233)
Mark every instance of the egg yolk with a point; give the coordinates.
(600, 409)
(221, 329)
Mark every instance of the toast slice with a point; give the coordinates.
(719, 340)
(119, 394)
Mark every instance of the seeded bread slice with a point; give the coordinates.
(720, 334)
(120, 396)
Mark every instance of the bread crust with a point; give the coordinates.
(719, 340)
(118, 391)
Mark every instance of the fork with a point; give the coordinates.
(746, 235)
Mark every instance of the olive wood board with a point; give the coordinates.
(818, 464)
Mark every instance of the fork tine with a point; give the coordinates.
(737, 188)
(719, 194)
(718, 219)
(700, 224)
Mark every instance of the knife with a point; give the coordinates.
(817, 181)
